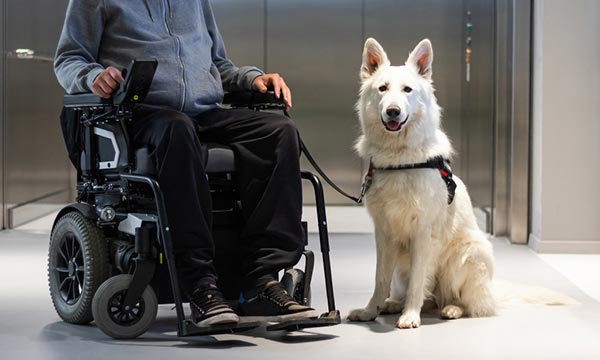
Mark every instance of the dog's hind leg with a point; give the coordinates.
(452, 312)
(383, 278)
(466, 285)
(476, 293)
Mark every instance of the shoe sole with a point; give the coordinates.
(309, 314)
(220, 319)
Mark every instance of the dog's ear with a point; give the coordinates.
(421, 58)
(374, 57)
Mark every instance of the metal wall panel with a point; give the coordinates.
(503, 116)
(242, 25)
(521, 102)
(36, 170)
(478, 105)
(317, 45)
(2, 110)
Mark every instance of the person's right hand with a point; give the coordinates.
(106, 82)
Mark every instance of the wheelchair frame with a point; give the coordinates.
(97, 113)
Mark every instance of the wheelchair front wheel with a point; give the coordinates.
(119, 321)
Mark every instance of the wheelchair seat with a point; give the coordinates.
(221, 159)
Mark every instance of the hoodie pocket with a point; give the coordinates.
(215, 78)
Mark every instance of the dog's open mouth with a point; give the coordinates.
(394, 125)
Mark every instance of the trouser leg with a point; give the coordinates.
(180, 159)
(267, 151)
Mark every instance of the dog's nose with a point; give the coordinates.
(393, 111)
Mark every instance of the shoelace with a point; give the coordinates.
(209, 300)
(278, 293)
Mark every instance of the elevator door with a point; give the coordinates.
(36, 171)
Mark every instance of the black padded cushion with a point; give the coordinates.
(220, 159)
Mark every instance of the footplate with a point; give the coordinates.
(327, 319)
(190, 329)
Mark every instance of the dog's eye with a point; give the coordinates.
(383, 88)
(407, 89)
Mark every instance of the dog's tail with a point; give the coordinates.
(508, 293)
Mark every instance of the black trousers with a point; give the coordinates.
(268, 171)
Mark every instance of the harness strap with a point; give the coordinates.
(438, 163)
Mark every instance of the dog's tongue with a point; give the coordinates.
(392, 125)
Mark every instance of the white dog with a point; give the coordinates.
(426, 247)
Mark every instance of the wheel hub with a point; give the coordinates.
(72, 267)
(122, 314)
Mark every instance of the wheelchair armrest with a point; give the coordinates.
(138, 78)
(85, 100)
(253, 99)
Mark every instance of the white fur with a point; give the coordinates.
(427, 250)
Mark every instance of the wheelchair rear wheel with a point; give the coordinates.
(294, 282)
(77, 265)
(119, 321)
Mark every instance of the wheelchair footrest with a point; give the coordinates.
(327, 319)
(190, 329)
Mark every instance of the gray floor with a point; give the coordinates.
(29, 328)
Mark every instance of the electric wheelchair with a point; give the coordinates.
(111, 256)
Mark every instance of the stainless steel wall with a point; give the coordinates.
(477, 148)
(2, 108)
(35, 169)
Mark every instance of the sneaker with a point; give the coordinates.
(273, 300)
(210, 308)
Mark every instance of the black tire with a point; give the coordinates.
(294, 281)
(77, 265)
(113, 319)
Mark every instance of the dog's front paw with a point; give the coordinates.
(362, 315)
(408, 320)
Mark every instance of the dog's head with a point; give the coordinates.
(394, 96)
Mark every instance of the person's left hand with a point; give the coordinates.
(265, 82)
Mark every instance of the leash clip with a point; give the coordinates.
(366, 183)
(364, 188)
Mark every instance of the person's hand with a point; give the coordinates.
(275, 82)
(106, 82)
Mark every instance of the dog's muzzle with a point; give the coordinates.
(394, 125)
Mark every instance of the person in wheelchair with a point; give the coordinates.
(181, 113)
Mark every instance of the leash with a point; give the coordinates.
(316, 166)
(320, 171)
(438, 163)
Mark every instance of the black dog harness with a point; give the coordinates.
(438, 163)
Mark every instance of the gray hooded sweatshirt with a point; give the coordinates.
(193, 68)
